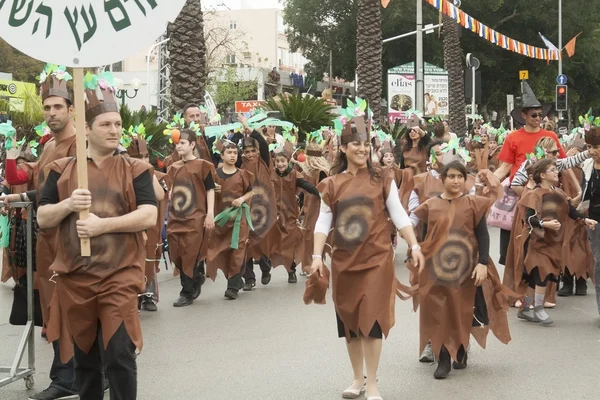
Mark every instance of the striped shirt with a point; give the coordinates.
(521, 178)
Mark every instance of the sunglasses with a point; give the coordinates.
(553, 152)
(535, 115)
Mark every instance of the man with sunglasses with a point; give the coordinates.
(521, 142)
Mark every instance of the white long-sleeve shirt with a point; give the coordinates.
(521, 178)
(392, 203)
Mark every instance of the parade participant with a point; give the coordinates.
(522, 142)
(257, 160)
(134, 140)
(226, 250)
(456, 246)
(315, 169)
(441, 131)
(591, 197)
(191, 214)
(495, 147)
(289, 249)
(196, 114)
(97, 295)
(414, 154)
(356, 202)
(58, 115)
(545, 211)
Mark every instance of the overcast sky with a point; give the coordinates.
(239, 4)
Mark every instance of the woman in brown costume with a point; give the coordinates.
(357, 202)
(233, 190)
(98, 295)
(545, 210)
(191, 216)
(453, 302)
(414, 153)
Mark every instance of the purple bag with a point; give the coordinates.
(503, 211)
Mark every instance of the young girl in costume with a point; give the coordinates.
(545, 212)
(356, 202)
(414, 153)
(315, 169)
(452, 300)
(290, 247)
(226, 250)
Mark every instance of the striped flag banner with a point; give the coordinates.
(485, 32)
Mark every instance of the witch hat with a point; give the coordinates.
(529, 101)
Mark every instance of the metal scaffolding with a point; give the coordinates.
(164, 99)
(15, 371)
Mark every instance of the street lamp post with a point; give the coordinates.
(420, 81)
(122, 94)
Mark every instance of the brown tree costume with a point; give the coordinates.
(311, 208)
(105, 286)
(185, 227)
(545, 247)
(220, 253)
(416, 160)
(264, 206)
(363, 275)
(447, 293)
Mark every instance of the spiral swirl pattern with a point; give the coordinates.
(353, 221)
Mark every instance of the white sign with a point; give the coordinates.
(401, 96)
(436, 95)
(84, 33)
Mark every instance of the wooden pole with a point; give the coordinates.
(82, 176)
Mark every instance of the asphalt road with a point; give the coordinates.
(268, 345)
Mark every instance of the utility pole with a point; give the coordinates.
(419, 61)
(560, 45)
(331, 70)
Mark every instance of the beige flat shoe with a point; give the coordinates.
(547, 304)
(351, 393)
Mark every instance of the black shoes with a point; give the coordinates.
(249, 285)
(53, 393)
(183, 301)
(567, 288)
(444, 366)
(266, 278)
(581, 287)
(292, 278)
(460, 364)
(198, 282)
(231, 294)
(149, 305)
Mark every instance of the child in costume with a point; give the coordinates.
(545, 210)
(228, 242)
(287, 180)
(453, 302)
(191, 214)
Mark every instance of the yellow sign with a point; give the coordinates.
(523, 75)
(16, 93)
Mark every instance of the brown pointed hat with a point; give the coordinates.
(99, 95)
(528, 101)
(356, 122)
(53, 82)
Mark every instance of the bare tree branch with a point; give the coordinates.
(506, 19)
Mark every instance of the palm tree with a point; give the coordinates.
(368, 53)
(453, 57)
(187, 56)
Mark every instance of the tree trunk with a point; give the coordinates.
(368, 54)
(453, 57)
(187, 56)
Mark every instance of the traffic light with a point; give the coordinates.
(561, 97)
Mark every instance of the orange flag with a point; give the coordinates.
(385, 3)
(570, 47)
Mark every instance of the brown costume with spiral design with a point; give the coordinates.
(105, 286)
(187, 212)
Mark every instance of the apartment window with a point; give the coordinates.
(232, 25)
(116, 67)
(231, 59)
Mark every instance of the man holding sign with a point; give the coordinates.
(98, 294)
